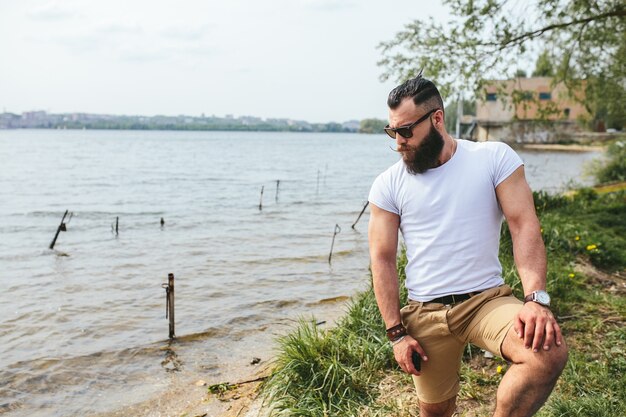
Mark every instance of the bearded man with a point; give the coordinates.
(448, 198)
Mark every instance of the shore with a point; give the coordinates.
(237, 395)
(562, 147)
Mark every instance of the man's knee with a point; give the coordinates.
(442, 409)
(558, 359)
(551, 363)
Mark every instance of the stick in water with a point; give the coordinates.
(169, 303)
(337, 231)
(277, 185)
(261, 202)
(362, 211)
(60, 229)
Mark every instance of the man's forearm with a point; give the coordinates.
(530, 256)
(385, 281)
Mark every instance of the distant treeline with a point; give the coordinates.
(44, 120)
(260, 127)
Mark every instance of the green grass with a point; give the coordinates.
(349, 370)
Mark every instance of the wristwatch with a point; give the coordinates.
(539, 297)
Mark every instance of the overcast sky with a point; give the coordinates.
(311, 60)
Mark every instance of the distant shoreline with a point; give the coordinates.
(185, 129)
(573, 147)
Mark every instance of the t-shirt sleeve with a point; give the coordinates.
(381, 194)
(506, 161)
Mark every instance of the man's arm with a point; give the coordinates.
(534, 323)
(383, 242)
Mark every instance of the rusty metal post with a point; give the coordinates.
(362, 211)
(337, 231)
(169, 303)
(60, 229)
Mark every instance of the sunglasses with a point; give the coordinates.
(407, 130)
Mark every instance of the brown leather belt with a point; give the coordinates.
(453, 298)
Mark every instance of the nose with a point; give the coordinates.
(400, 139)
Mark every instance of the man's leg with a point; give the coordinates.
(443, 409)
(438, 383)
(530, 379)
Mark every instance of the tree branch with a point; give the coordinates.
(619, 12)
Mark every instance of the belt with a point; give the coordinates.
(453, 298)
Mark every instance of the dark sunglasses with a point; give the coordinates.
(407, 130)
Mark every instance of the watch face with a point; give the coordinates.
(543, 297)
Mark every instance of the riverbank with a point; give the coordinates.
(573, 147)
(349, 369)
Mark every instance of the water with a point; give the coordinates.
(82, 327)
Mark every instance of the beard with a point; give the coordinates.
(425, 156)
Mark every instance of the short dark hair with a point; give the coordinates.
(423, 91)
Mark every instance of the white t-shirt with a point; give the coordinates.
(450, 218)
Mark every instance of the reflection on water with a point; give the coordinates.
(82, 327)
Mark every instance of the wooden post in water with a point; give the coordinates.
(362, 211)
(277, 185)
(169, 303)
(117, 224)
(60, 229)
(261, 201)
(337, 231)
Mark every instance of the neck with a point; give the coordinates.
(449, 148)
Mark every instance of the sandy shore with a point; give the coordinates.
(189, 396)
(562, 148)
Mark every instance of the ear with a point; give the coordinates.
(438, 119)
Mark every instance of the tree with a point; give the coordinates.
(487, 39)
(520, 73)
(372, 126)
(543, 65)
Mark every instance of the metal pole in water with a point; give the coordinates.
(261, 202)
(277, 185)
(61, 228)
(117, 224)
(169, 303)
(337, 231)
(362, 211)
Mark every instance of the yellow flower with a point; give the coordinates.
(571, 275)
(591, 247)
(542, 230)
(499, 369)
(577, 238)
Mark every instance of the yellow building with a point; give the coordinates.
(511, 109)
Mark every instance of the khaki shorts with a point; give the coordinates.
(443, 332)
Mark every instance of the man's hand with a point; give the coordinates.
(403, 351)
(536, 325)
